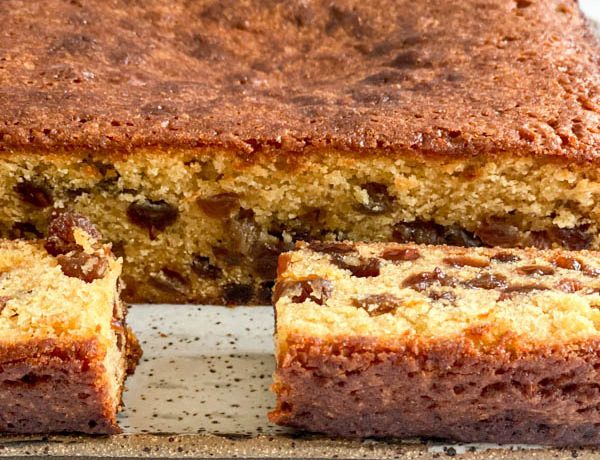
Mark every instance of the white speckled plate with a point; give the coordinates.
(204, 370)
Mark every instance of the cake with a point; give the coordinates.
(468, 344)
(64, 346)
(204, 138)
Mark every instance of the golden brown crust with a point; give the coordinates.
(34, 348)
(359, 387)
(51, 386)
(449, 78)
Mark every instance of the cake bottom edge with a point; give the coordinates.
(548, 398)
(57, 388)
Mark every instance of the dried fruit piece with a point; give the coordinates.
(299, 228)
(331, 247)
(37, 194)
(456, 236)
(360, 267)
(498, 231)
(79, 264)
(424, 280)
(237, 293)
(246, 246)
(418, 232)
(506, 257)
(265, 260)
(316, 290)
(591, 271)
(569, 285)
(153, 215)
(572, 263)
(71, 257)
(488, 281)
(431, 233)
(508, 292)
(575, 239)
(380, 200)
(219, 206)
(442, 295)
(531, 270)
(467, 261)
(118, 248)
(567, 262)
(170, 280)
(538, 240)
(243, 232)
(265, 291)
(400, 254)
(61, 236)
(202, 267)
(378, 304)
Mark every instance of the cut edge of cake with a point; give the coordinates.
(426, 361)
(66, 347)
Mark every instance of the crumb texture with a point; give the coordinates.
(208, 228)
(451, 77)
(493, 297)
(40, 300)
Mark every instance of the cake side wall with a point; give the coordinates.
(352, 387)
(48, 386)
(207, 226)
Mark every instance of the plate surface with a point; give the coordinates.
(204, 370)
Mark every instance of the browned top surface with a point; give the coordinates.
(449, 76)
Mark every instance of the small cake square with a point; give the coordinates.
(469, 344)
(64, 346)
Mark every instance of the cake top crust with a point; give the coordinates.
(453, 77)
(399, 294)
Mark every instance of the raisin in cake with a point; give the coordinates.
(472, 344)
(64, 345)
(204, 137)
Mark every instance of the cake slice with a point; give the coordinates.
(476, 345)
(205, 137)
(64, 346)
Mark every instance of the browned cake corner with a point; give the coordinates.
(476, 345)
(64, 346)
(205, 137)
